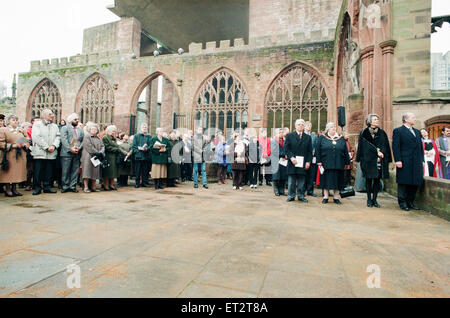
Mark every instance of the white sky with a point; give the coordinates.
(44, 29)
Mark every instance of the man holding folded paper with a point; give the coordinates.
(298, 147)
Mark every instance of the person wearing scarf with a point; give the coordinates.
(374, 156)
(14, 144)
(433, 167)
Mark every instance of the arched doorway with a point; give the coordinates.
(155, 102)
(297, 92)
(95, 101)
(45, 96)
(222, 103)
(434, 125)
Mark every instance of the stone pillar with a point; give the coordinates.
(167, 105)
(152, 100)
(355, 116)
(367, 75)
(387, 48)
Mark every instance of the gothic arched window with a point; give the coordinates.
(96, 101)
(297, 93)
(46, 96)
(223, 93)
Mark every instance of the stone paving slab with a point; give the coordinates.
(186, 242)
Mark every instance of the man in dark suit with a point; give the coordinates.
(311, 172)
(71, 140)
(299, 151)
(409, 159)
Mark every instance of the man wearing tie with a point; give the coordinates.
(71, 140)
(409, 158)
(299, 151)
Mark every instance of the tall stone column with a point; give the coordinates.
(152, 100)
(387, 49)
(167, 105)
(367, 75)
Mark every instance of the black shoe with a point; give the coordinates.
(268, 183)
(37, 192)
(136, 186)
(404, 208)
(413, 207)
(17, 194)
(337, 201)
(303, 200)
(324, 201)
(290, 199)
(65, 190)
(195, 186)
(375, 204)
(260, 183)
(369, 203)
(145, 185)
(50, 191)
(74, 190)
(205, 186)
(312, 195)
(277, 194)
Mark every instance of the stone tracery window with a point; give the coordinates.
(296, 93)
(96, 101)
(46, 96)
(222, 103)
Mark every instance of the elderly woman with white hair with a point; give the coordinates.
(160, 147)
(332, 156)
(13, 143)
(112, 153)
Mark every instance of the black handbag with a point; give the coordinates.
(5, 162)
(348, 192)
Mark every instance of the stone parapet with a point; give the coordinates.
(433, 196)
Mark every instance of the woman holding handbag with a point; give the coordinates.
(14, 144)
(374, 155)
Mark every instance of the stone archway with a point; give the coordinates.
(95, 101)
(155, 102)
(45, 95)
(221, 102)
(434, 125)
(296, 92)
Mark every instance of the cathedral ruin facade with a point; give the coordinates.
(244, 63)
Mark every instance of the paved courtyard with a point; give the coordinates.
(186, 242)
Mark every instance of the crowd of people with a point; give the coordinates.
(41, 155)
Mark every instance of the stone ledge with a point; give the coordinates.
(433, 196)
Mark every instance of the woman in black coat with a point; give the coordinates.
(374, 155)
(332, 155)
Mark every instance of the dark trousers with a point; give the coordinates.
(296, 185)
(186, 171)
(431, 168)
(122, 181)
(406, 194)
(43, 173)
(279, 187)
(373, 186)
(70, 166)
(254, 172)
(238, 177)
(142, 171)
(221, 173)
(247, 175)
(311, 174)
